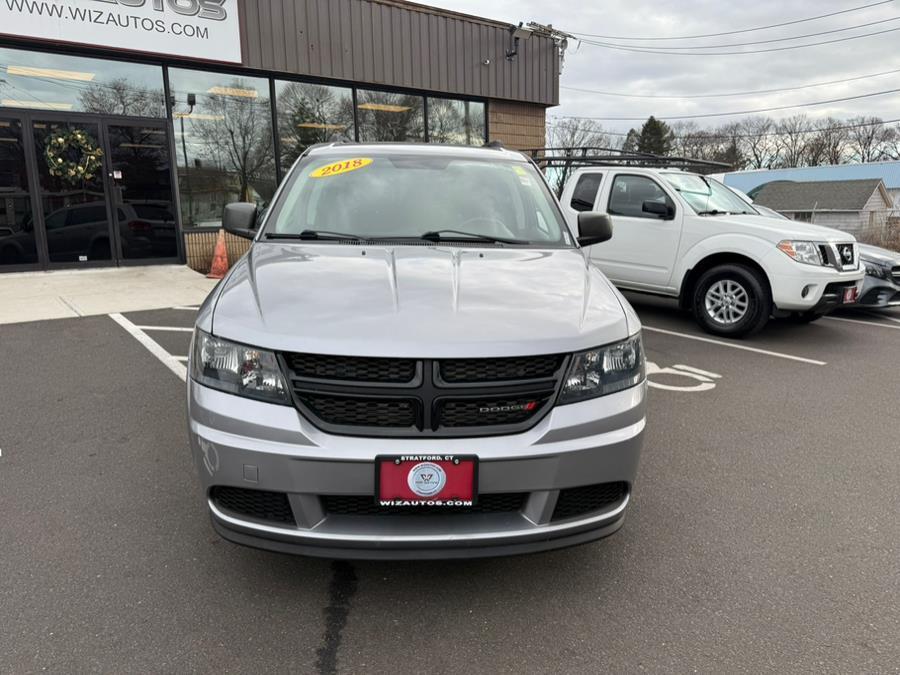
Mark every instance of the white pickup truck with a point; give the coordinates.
(689, 237)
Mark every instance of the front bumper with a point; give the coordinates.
(241, 443)
(879, 293)
(807, 288)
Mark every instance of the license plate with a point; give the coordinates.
(850, 295)
(426, 480)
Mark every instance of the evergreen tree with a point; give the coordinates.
(656, 137)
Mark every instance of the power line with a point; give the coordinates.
(643, 50)
(840, 127)
(750, 112)
(766, 42)
(744, 30)
(735, 93)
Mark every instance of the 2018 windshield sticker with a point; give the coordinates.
(344, 166)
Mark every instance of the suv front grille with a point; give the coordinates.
(256, 504)
(895, 274)
(578, 501)
(367, 506)
(362, 412)
(415, 397)
(325, 367)
(493, 370)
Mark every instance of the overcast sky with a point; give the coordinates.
(598, 68)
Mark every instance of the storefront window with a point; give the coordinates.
(64, 83)
(455, 122)
(310, 114)
(223, 140)
(385, 116)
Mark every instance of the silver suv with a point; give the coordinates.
(416, 359)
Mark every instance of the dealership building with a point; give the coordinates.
(127, 125)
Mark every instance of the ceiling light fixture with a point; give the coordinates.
(233, 91)
(384, 107)
(52, 73)
(42, 105)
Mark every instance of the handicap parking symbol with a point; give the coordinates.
(697, 380)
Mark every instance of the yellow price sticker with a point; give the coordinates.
(344, 166)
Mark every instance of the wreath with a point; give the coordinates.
(59, 147)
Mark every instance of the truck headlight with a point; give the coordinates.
(802, 251)
(605, 370)
(237, 369)
(873, 269)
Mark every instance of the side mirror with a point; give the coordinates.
(594, 228)
(662, 209)
(239, 219)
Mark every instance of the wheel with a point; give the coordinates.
(732, 300)
(806, 317)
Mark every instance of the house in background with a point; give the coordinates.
(888, 172)
(863, 208)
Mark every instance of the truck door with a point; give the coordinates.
(647, 223)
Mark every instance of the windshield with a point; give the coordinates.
(408, 196)
(707, 196)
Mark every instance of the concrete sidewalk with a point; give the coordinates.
(35, 296)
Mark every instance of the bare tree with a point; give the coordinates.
(571, 136)
(119, 97)
(758, 142)
(237, 131)
(792, 140)
(869, 139)
(828, 145)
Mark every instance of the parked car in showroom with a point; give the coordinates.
(881, 288)
(415, 359)
(686, 236)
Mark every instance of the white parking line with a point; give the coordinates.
(152, 346)
(766, 352)
(176, 329)
(864, 323)
(183, 359)
(187, 309)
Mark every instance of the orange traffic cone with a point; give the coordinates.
(220, 259)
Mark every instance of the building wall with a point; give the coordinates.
(517, 125)
(399, 44)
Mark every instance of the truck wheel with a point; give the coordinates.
(732, 300)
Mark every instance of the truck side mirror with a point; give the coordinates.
(239, 219)
(666, 211)
(594, 228)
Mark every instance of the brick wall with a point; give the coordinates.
(199, 248)
(517, 125)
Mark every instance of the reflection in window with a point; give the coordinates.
(385, 116)
(455, 122)
(17, 242)
(310, 114)
(70, 83)
(223, 140)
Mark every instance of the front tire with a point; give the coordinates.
(732, 300)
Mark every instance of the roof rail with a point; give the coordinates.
(576, 157)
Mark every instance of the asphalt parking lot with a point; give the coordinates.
(763, 535)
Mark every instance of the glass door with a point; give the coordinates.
(143, 206)
(72, 192)
(18, 240)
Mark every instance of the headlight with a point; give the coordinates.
(237, 369)
(802, 251)
(873, 269)
(605, 370)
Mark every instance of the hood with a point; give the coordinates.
(777, 229)
(879, 255)
(419, 301)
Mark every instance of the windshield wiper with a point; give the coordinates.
(713, 212)
(316, 234)
(439, 235)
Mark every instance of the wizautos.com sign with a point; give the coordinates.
(203, 29)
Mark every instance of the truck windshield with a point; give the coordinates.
(707, 196)
(437, 198)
